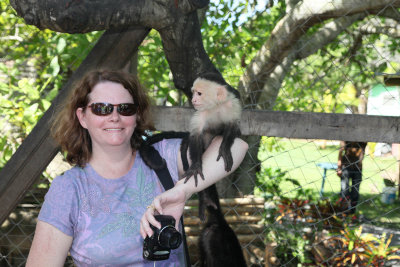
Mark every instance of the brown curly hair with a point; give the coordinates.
(75, 140)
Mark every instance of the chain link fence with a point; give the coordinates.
(285, 206)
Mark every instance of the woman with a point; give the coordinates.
(101, 210)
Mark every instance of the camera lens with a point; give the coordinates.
(170, 238)
(175, 240)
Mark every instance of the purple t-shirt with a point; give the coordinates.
(103, 215)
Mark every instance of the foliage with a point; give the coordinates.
(269, 181)
(269, 144)
(22, 103)
(35, 65)
(292, 243)
(234, 31)
(321, 82)
(293, 224)
(355, 249)
(287, 233)
(157, 79)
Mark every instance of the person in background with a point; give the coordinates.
(351, 155)
(100, 210)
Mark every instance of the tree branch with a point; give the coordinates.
(289, 31)
(184, 50)
(76, 16)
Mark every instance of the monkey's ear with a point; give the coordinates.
(221, 93)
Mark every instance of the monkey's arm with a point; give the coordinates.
(231, 131)
(165, 135)
(173, 201)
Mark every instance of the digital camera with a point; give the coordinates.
(159, 245)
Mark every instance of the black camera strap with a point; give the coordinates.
(159, 166)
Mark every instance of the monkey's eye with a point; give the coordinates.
(199, 93)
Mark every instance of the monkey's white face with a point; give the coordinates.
(204, 94)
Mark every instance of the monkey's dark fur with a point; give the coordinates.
(218, 243)
(158, 163)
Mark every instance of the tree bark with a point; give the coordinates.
(185, 53)
(76, 16)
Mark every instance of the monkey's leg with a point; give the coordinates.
(147, 151)
(196, 150)
(151, 157)
(230, 132)
(165, 135)
(184, 152)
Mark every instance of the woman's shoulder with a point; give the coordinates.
(69, 177)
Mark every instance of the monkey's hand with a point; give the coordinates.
(194, 170)
(227, 156)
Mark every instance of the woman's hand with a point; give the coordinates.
(170, 202)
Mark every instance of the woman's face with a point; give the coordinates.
(112, 130)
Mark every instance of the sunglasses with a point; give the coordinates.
(104, 109)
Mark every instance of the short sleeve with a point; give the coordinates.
(168, 149)
(60, 207)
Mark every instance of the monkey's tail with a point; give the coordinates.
(209, 200)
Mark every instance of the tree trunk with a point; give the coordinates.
(184, 50)
(243, 180)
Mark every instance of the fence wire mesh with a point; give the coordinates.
(284, 204)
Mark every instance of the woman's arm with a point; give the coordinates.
(49, 248)
(172, 202)
(213, 170)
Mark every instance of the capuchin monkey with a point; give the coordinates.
(218, 112)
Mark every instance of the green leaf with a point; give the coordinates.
(351, 245)
(61, 45)
(45, 104)
(54, 66)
